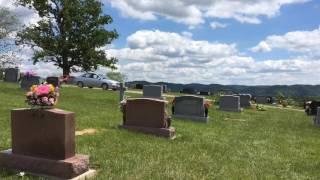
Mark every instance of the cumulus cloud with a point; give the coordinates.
(194, 12)
(306, 42)
(165, 56)
(25, 15)
(216, 25)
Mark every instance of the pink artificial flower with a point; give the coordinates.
(51, 100)
(43, 89)
(44, 100)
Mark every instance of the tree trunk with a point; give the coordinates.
(66, 71)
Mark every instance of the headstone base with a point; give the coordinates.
(232, 110)
(71, 168)
(163, 132)
(316, 122)
(194, 118)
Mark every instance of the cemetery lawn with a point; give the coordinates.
(272, 144)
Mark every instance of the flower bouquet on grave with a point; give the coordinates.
(207, 104)
(42, 96)
(260, 108)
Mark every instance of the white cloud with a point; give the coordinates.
(25, 15)
(164, 56)
(216, 25)
(306, 42)
(194, 12)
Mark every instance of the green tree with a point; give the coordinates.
(8, 22)
(117, 76)
(71, 34)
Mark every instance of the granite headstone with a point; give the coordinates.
(230, 103)
(152, 91)
(11, 75)
(148, 116)
(43, 143)
(190, 107)
(28, 81)
(53, 80)
(245, 100)
(317, 118)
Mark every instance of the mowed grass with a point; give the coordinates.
(272, 144)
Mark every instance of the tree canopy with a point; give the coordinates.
(71, 34)
(117, 76)
(8, 24)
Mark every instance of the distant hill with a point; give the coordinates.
(293, 90)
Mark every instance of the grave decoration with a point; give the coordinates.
(43, 139)
(44, 95)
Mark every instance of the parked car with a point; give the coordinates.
(96, 80)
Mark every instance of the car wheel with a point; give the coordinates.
(105, 86)
(80, 84)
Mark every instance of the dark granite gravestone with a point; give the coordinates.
(189, 91)
(139, 86)
(261, 100)
(147, 116)
(311, 108)
(43, 143)
(53, 80)
(152, 91)
(230, 103)
(11, 75)
(190, 107)
(205, 93)
(264, 99)
(28, 81)
(245, 100)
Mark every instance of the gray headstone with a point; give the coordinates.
(11, 75)
(165, 88)
(262, 100)
(245, 100)
(230, 103)
(317, 118)
(1, 74)
(205, 93)
(54, 81)
(27, 82)
(152, 91)
(121, 91)
(190, 107)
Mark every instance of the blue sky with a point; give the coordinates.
(295, 17)
(254, 42)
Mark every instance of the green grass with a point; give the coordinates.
(272, 144)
